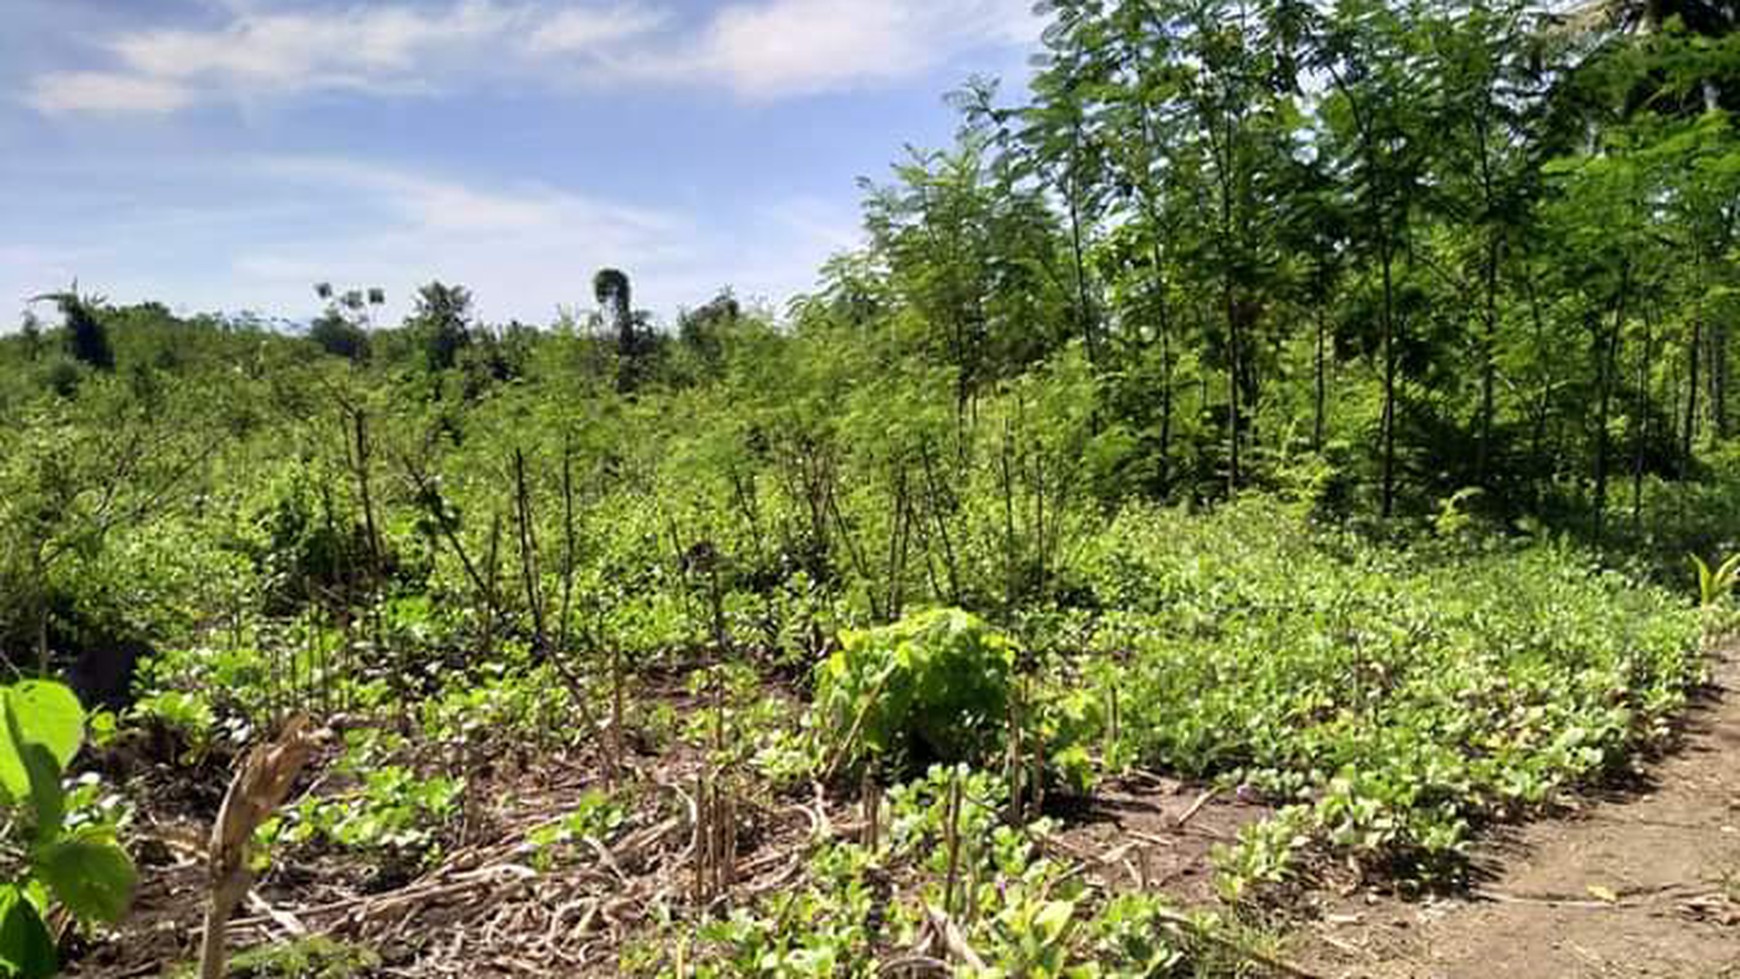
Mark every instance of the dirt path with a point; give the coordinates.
(1640, 883)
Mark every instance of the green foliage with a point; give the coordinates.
(87, 338)
(89, 873)
(1259, 373)
(44, 724)
(932, 687)
(390, 808)
(314, 957)
(26, 949)
(339, 336)
(1407, 695)
(79, 867)
(1024, 914)
(1716, 585)
(442, 323)
(596, 817)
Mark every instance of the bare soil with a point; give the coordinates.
(1152, 833)
(1642, 880)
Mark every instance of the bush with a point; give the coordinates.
(933, 687)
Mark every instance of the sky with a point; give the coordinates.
(225, 155)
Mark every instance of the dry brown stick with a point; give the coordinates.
(284, 919)
(1196, 807)
(952, 841)
(1554, 901)
(257, 789)
(819, 812)
(528, 540)
(840, 751)
(914, 961)
(567, 543)
(1038, 776)
(952, 939)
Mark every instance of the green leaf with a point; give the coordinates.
(89, 874)
(26, 948)
(41, 713)
(1052, 919)
(14, 773)
(51, 716)
(46, 795)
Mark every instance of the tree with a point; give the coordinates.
(1238, 93)
(1374, 129)
(86, 338)
(342, 329)
(1118, 79)
(1484, 88)
(31, 332)
(1061, 150)
(441, 323)
(972, 255)
(615, 295)
(705, 329)
(339, 336)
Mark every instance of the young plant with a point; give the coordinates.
(932, 687)
(1714, 586)
(80, 869)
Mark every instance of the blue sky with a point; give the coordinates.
(226, 154)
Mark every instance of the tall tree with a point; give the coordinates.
(87, 339)
(1372, 113)
(441, 322)
(1483, 88)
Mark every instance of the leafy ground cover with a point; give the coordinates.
(926, 795)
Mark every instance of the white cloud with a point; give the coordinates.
(385, 47)
(522, 248)
(589, 29)
(757, 48)
(786, 47)
(519, 247)
(104, 91)
(436, 204)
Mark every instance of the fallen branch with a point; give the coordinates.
(952, 938)
(1196, 807)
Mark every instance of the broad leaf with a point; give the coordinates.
(1053, 919)
(26, 948)
(89, 874)
(42, 713)
(46, 795)
(51, 716)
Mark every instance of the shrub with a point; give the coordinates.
(933, 687)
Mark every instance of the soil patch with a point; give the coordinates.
(1640, 881)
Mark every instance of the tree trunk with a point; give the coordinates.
(1165, 402)
(1718, 375)
(1233, 358)
(1088, 332)
(1639, 428)
(1607, 349)
(1488, 370)
(1689, 432)
(1164, 314)
(1387, 259)
(1322, 384)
